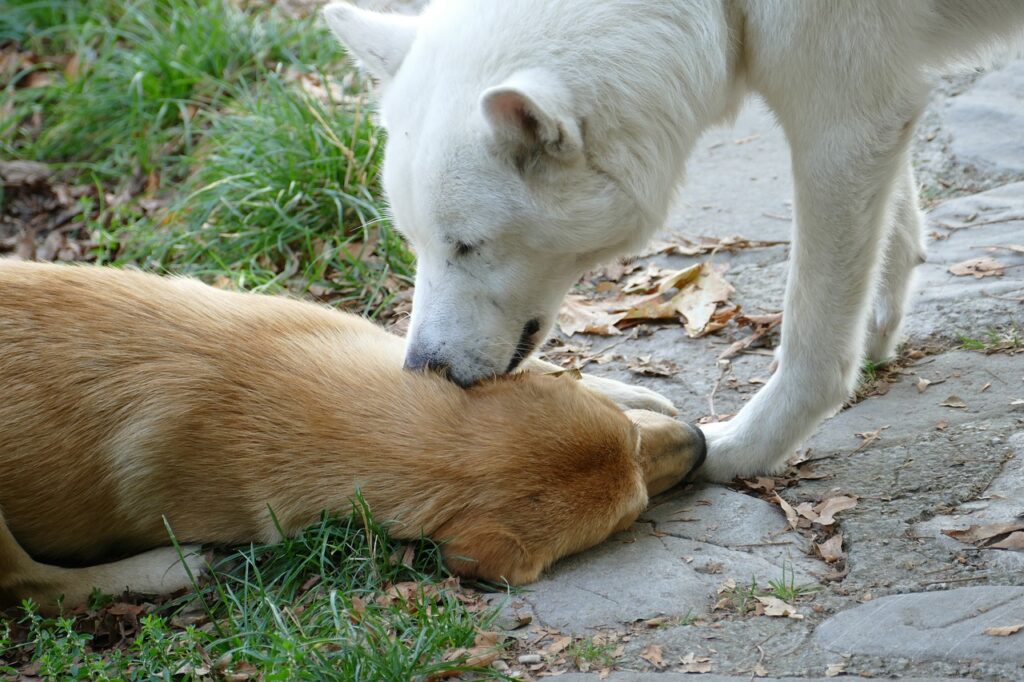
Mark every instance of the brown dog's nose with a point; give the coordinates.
(670, 450)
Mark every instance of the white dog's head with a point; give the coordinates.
(492, 178)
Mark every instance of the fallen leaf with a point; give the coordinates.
(578, 316)
(761, 483)
(762, 325)
(832, 549)
(869, 437)
(806, 510)
(759, 671)
(954, 401)
(701, 289)
(679, 279)
(835, 669)
(776, 608)
(1013, 541)
(728, 586)
(1004, 631)
(692, 664)
(682, 246)
(643, 282)
(985, 266)
(559, 645)
(653, 655)
(645, 366)
(995, 535)
(791, 515)
(827, 509)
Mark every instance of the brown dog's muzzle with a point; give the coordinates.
(669, 449)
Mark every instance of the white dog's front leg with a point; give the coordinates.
(844, 169)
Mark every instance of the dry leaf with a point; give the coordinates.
(869, 437)
(653, 655)
(1004, 631)
(701, 289)
(643, 282)
(1014, 541)
(776, 608)
(692, 664)
(728, 586)
(679, 279)
(706, 245)
(827, 509)
(791, 515)
(835, 669)
(832, 549)
(985, 266)
(577, 315)
(995, 535)
(559, 645)
(954, 401)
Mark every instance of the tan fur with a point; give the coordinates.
(128, 397)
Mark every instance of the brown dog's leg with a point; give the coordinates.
(669, 449)
(155, 572)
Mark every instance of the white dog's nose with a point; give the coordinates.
(418, 358)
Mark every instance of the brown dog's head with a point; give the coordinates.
(579, 470)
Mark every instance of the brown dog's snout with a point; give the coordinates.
(669, 449)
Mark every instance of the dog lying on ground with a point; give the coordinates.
(531, 140)
(127, 398)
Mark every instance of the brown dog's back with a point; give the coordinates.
(128, 397)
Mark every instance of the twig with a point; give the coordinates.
(981, 224)
(956, 580)
(587, 359)
(1012, 299)
(718, 382)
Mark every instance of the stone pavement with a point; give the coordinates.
(906, 600)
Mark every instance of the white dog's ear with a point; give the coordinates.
(532, 111)
(379, 41)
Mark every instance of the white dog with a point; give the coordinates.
(530, 140)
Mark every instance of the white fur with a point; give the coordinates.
(545, 137)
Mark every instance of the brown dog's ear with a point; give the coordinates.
(669, 449)
(490, 553)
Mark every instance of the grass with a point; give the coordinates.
(339, 602)
(231, 144)
(743, 598)
(587, 652)
(869, 370)
(1009, 340)
(786, 588)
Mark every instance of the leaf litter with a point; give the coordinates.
(696, 297)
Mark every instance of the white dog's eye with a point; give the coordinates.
(464, 249)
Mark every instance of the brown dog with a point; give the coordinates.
(126, 398)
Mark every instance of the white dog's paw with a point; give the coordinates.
(730, 457)
(884, 332)
(630, 396)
